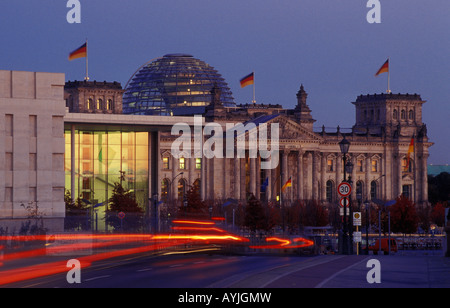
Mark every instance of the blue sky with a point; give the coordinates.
(326, 45)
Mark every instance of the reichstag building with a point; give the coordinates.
(83, 136)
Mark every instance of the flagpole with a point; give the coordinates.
(389, 76)
(254, 100)
(87, 68)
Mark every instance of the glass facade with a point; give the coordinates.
(103, 158)
(176, 84)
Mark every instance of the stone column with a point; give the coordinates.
(315, 176)
(285, 172)
(367, 179)
(353, 160)
(308, 176)
(323, 170)
(424, 192)
(252, 175)
(300, 175)
(226, 178)
(174, 184)
(237, 178)
(269, 184)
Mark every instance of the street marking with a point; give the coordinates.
(144, 269)
(320, 285)
(98, 277)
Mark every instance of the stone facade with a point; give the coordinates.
(93, 97)
(32, 144)
(380, 139)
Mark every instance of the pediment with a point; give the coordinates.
(407, 178)
(290, 130)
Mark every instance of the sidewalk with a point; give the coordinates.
(398, 271)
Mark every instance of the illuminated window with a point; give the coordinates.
(182, 163)
(330, 165)
(99, 104)
(89, 105)
(166, 164)
(109, 104)
(359, 165)
(198, 163)
(374, 165)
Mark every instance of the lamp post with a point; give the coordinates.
(185, 205)
(344, 146)
(349, 169)
(155, 212)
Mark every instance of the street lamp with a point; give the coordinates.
(345, 146)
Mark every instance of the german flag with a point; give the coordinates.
(286, 185)
(79, 53)
(384, 68)
(248, 80)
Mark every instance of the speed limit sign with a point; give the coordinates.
(344, 189)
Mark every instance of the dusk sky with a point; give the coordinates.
(326, 45)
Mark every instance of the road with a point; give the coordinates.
(225, 271)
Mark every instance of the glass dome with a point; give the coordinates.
(176, 84)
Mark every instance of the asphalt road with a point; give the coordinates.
(224, 271)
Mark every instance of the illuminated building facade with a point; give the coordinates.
(47, 149)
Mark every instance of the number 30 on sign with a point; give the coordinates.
(344, 189)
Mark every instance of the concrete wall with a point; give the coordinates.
(32, 110)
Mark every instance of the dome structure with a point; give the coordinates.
(176, 84)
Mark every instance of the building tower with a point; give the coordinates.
(93, 97)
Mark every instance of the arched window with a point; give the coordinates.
(395, 115)
(89, 105)
(99, 104)
(330, 191)
(411, 115)
(164, 189)
(373, 190)
(403, 114)
(197, 183)
(181, 188)
(109, 104)
(359, 190)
